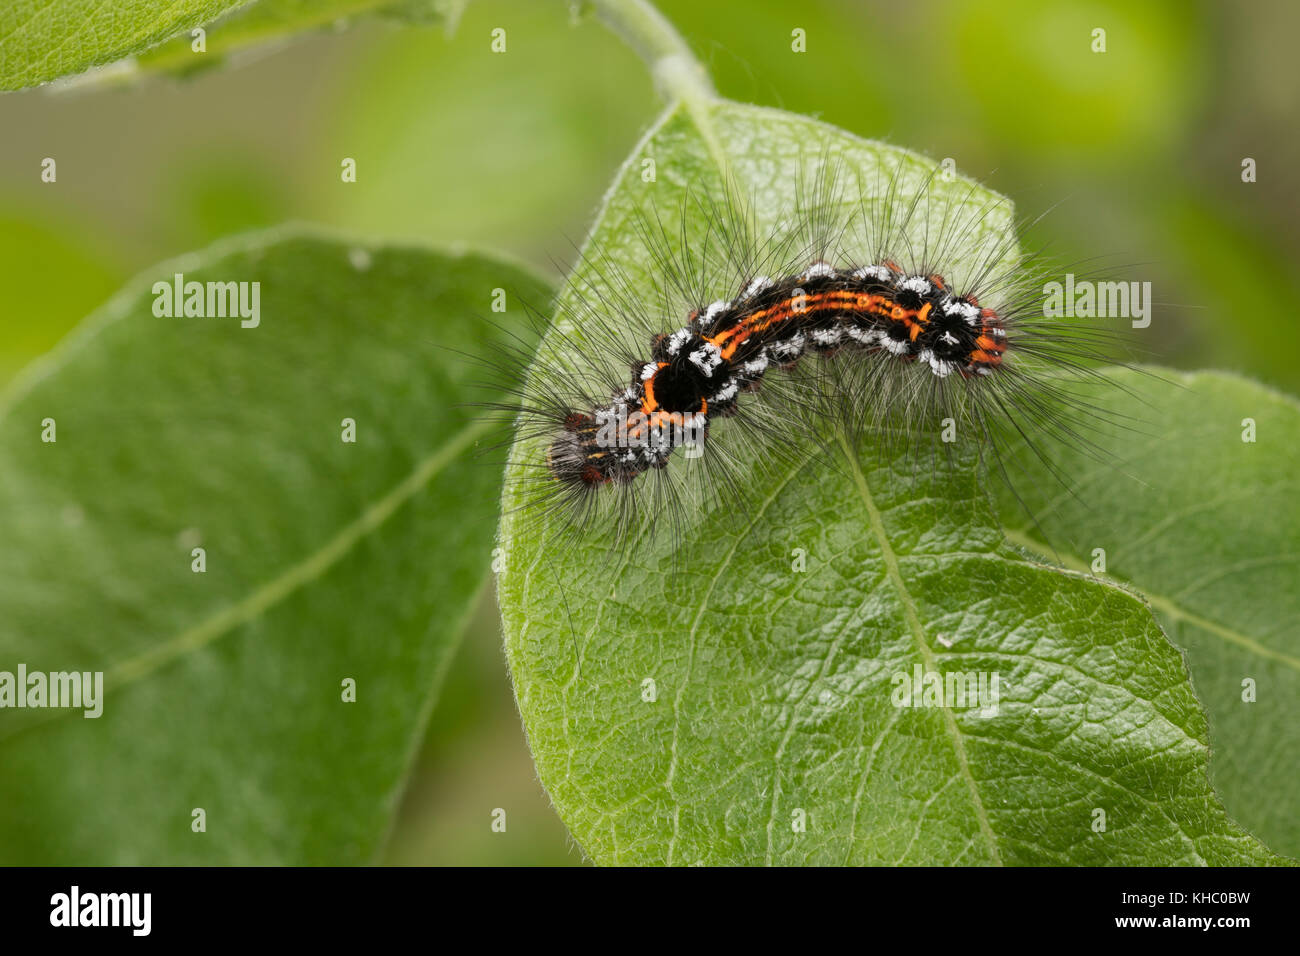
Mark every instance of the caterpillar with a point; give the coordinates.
(883, 304)
(724, 350)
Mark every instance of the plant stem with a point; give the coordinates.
(677, 74)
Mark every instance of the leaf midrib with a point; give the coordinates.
(894, 573)
(314, 566)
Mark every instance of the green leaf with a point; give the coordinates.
(273, 21)
(41, 40)
(325, 560)
(1206, 526)
(702, 716)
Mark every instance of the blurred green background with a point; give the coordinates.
(1137, 152)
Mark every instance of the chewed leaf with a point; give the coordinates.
(854, 668)
(263, 526)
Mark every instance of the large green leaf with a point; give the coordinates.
(41, 40)
(325, 560)
(1206, 526)
(771, 701)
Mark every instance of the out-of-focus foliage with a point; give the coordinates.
(318, 462)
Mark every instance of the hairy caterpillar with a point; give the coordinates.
(700, 370)
(883, 305)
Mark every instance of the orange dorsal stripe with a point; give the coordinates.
(839, 300)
